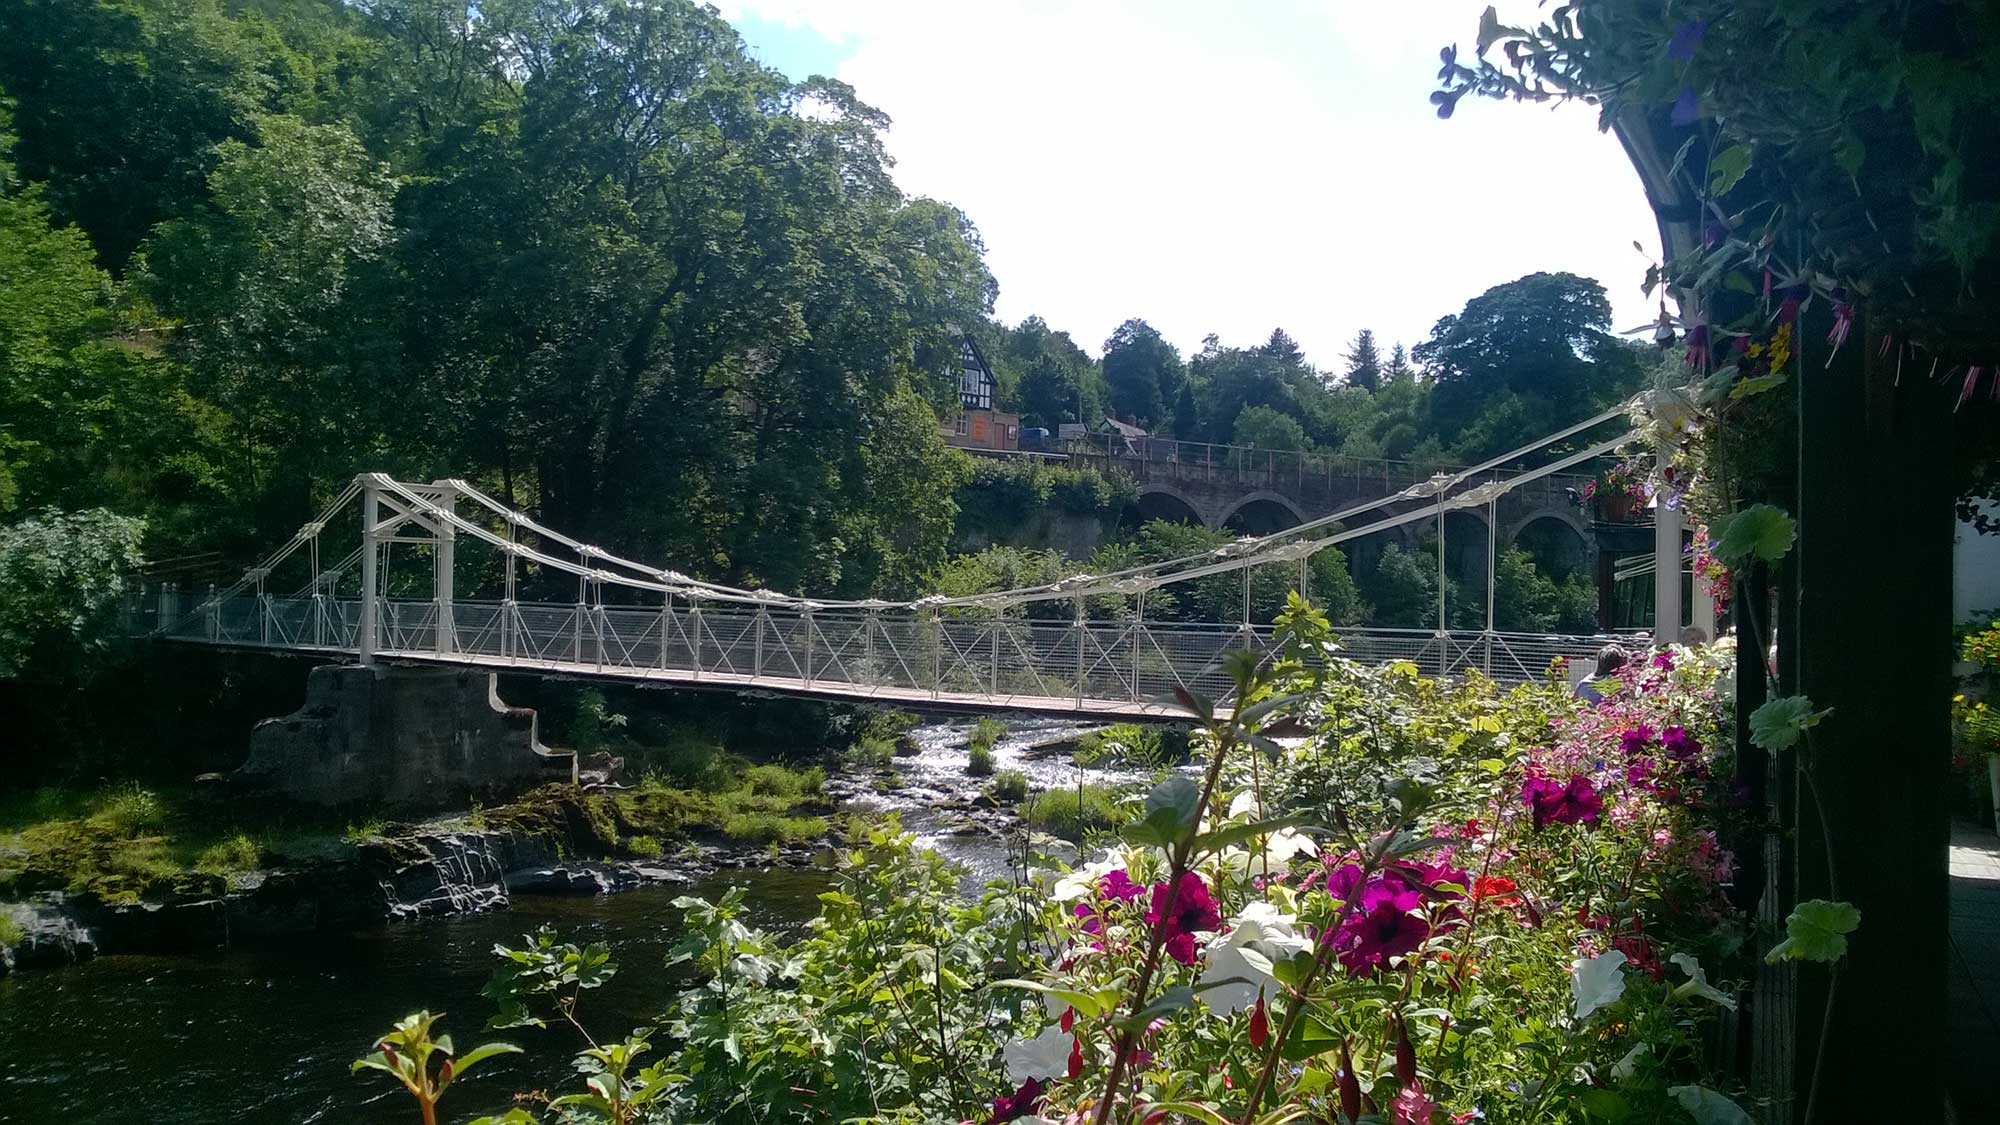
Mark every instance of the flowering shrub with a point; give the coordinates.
(1443, 901)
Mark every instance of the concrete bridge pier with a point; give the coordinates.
(400, 736)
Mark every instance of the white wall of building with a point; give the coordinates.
(1975, 569)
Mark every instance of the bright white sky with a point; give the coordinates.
(1225, 168)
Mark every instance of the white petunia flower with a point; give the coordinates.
(1697, 983)
(1623, 1068)
(1597, 982)
(1258, 936)
(1080, 882)
(1045, 1056)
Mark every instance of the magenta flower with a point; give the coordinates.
(1020, 1103)
(1680, 745)
(1426, 879)
(1636, 740)
(1664, 659)
(1344, 882)
(1092, 924)
(1575, 803)
(1194, 911)
(1118, 885)
(1384, 928)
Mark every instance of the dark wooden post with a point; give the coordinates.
(1873, 567)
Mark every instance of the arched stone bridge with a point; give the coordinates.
(1258, 491)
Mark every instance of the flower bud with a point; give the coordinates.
(1350, 1087)
(444, 1073)
(1069, 1019)
(1406, 1055)
(1260, 1024)
(1075, 1057)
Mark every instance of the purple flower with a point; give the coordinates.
(1664, 659)
(1118, 885)
(1575, 803)
(1687, 39)
(1697, 347)
(1385, 928)
(1449, 57)
(1680, 745)
(1194, 911)
(1639, 775)
(1092, 924)
(1636, 740)
(1342, 883)
(1687, 107)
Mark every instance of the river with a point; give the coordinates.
(267, 1033)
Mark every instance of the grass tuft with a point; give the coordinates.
(1071, 812)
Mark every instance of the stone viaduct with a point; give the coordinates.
(1259, 491)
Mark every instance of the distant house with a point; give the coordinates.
(979, 425)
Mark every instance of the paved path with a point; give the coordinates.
(1975, 972)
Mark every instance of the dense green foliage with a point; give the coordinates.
(589, 253)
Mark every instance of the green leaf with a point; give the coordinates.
(1757, 532)
(480, 1054)
(1727, 167)
(1708, 1107)
(1757, 385)
(1604, 1105)
(1778, 724)
(1085, 1004)
(1171, 809)
(1237, 833)
(1816, 931)
(1165, 1004)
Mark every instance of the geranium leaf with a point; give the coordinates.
(1708, 1107)
(1816, 931)
(1759, 531)
(1777, 724)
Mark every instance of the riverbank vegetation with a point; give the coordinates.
(1447, 900)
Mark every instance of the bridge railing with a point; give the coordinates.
(993, 659)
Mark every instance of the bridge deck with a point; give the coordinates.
(1100, 669)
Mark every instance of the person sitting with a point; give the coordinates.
(1609, 659)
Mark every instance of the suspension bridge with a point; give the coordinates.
(1031, 649)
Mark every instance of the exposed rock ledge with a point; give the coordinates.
(403, 877)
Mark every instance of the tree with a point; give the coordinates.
(1265, 428)
(1054, 380)
(60, 577)
(1187, 415)
(1543, 337)
(1364, 364)
(1399, 369)
(1142, 370)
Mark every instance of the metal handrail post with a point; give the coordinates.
(1080, 674)
(806, 618)
(370, 572)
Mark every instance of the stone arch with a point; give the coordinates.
(1159, 502)
(1262, 512)
(1555, 553)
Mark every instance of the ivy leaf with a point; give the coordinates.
(1816, 931)
(1759, 531)
(1708, 1107)
(1779, 723)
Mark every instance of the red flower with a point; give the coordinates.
(1260, 1024)
(1075, 1057)
(1498, 891)
(1193, 912)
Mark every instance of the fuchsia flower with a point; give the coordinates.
(1843, 319)
(1260, 1024)
(1551, 803)
(1194, 911)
